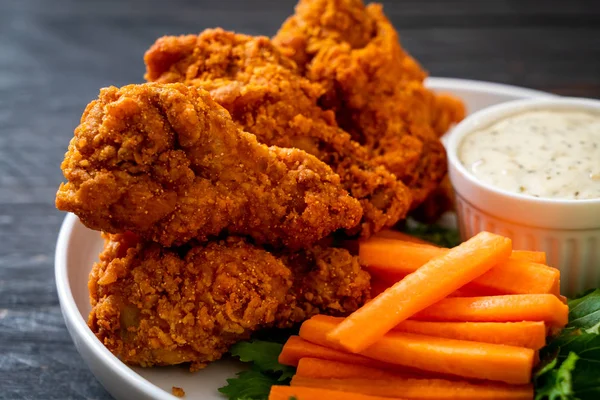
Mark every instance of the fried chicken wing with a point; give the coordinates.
(168, 163)
(265, 96)
(374, 87)
(158, 306)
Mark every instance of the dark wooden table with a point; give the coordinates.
(56, 54)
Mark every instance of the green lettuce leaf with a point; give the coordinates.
(573, 358)
(584, 312)
(556, 383)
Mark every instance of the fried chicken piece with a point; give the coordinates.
(442, 199)
(448, 110)
(158, 306)
(375, 88)
(169, 164)
(326, 280)
(265, 96)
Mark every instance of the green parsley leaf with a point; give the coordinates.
(263, 354)
(265, 371)
(249, 385)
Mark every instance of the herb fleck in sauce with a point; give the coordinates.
(541, 153)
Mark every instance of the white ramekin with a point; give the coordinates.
(567, 230)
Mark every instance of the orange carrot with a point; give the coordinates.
(488, 361)
(297, 348)
(412, 251)
(304, 393)
(327, 369)
(463, 358)
(392, 259)
(429, 284)
(520, 334)
(412, 388)
(518, 277)
(397, 235)
(396, 256)
(516, 307)
(526, 255)
(468, 291)
(533, 256)
(379, 286)
(528, 334)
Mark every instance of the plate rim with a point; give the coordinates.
(442, 83)
(77, 325)
(74, 319)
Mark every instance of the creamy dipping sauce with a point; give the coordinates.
(542, 153)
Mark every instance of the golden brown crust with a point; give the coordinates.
(212, 55)
(168, 163)
(156, 306)
(439, 201)
(326, 280)
(375, 88)
(153, 307)
(265, 96)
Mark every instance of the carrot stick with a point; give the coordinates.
(304, 393)
(379, 286)
(397, 235)
(528, 334)
(429, 284)
(533, 256)
(327, 369)
(393, 259)
(494, 362)
(516, 307)
(297, 348)
(519, 277)
(411, 388)
(526, 255)
(396, 256)
(314, 339)
(521, 334)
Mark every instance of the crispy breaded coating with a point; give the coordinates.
(374, 87)
(265, 96)
(326, 280)
(212, 55)
(441, 200)
(159, 306)
(151, 306)
(169, 164)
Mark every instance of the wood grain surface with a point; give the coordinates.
(56, 54)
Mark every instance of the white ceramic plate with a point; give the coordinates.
(78, 247)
